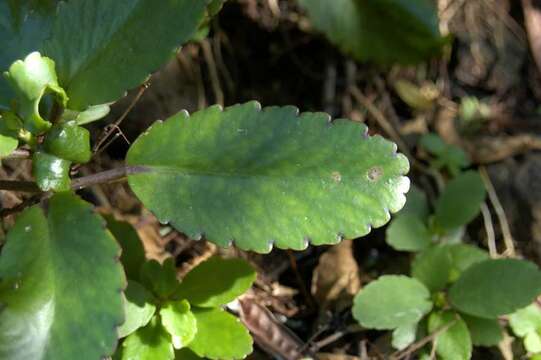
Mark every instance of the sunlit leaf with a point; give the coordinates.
(262, 177)
(138, 308)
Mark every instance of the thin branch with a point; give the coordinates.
(500, 213)
(489, 228)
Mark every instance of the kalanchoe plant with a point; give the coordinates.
(243, 175)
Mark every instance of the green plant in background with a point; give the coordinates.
(242, 175)
(455, 293)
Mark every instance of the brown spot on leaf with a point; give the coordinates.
(374, 173)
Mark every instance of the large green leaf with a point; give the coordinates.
(262, 177)
(104, 47)
(216, 282)
(60, 284)
(492, 288)
(384, 31)
(220, 335)
(24, 26)
(390, 302)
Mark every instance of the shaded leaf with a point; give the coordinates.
(104, 47)
(69, 142)
(216, 282)
(416, 203)
(138, 308)
(454, 343)
(484, 332)
(460, 201)
(263, 177)
(186, 354)
(407, 232)
(214, 323)
(50, 270)
(133, 253)
(151, 342)
(179, 321)
(161, 279)
(492, 288)
(383, 31)
(391, 301)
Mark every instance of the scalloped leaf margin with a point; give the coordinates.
(262, 177)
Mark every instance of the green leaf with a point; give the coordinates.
(104, 47)
(8, 144)
(31, 79)
(407, 232)
(60, 287)
(179, 321)
(492, 288)
(484, 332)
(162, 279)
(213, 324)
(449, 156)
(443, 263)
(10, 125)
(262, 177)
(139, 308)
(51, 172)
(391, 301)
(91, 114)
(383, 31)
(151, 342)
(526, 323)
(186, 354)
(461, 200)
(404, 335)
(24, 26)
(216, 282)
(416, 203)
(133, 253)
(432, 267)
(454, 343)
(69, 142)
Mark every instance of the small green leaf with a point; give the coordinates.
(252, 176)
(460, 201)
(391, 301)
(186, 354)
(69, 142)
(492, 288)
(447, 155)
(383, 31)
(51, 172)
(60, 284)
(133, 253)
(404, 335)
(220, 335)
(162, 279)
(462, 257)
(454, 343)
(31, 79)
(104, 47)
(179, 321)
(416, 203)
(484, 332)
(139, 308)
(216, 282)
(526, 323)
(151, 342)
(9, 127)
(407, 232)
(92, 113)
(432, 267)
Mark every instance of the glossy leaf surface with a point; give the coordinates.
(262, 177)
(51, 172)
(390, 302)
(104, 47)
(69, 141)
(383, 31)
(216, 282)
(492, 288)
(179, 321)
(59, 278)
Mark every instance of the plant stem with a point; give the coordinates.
(107, 176)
